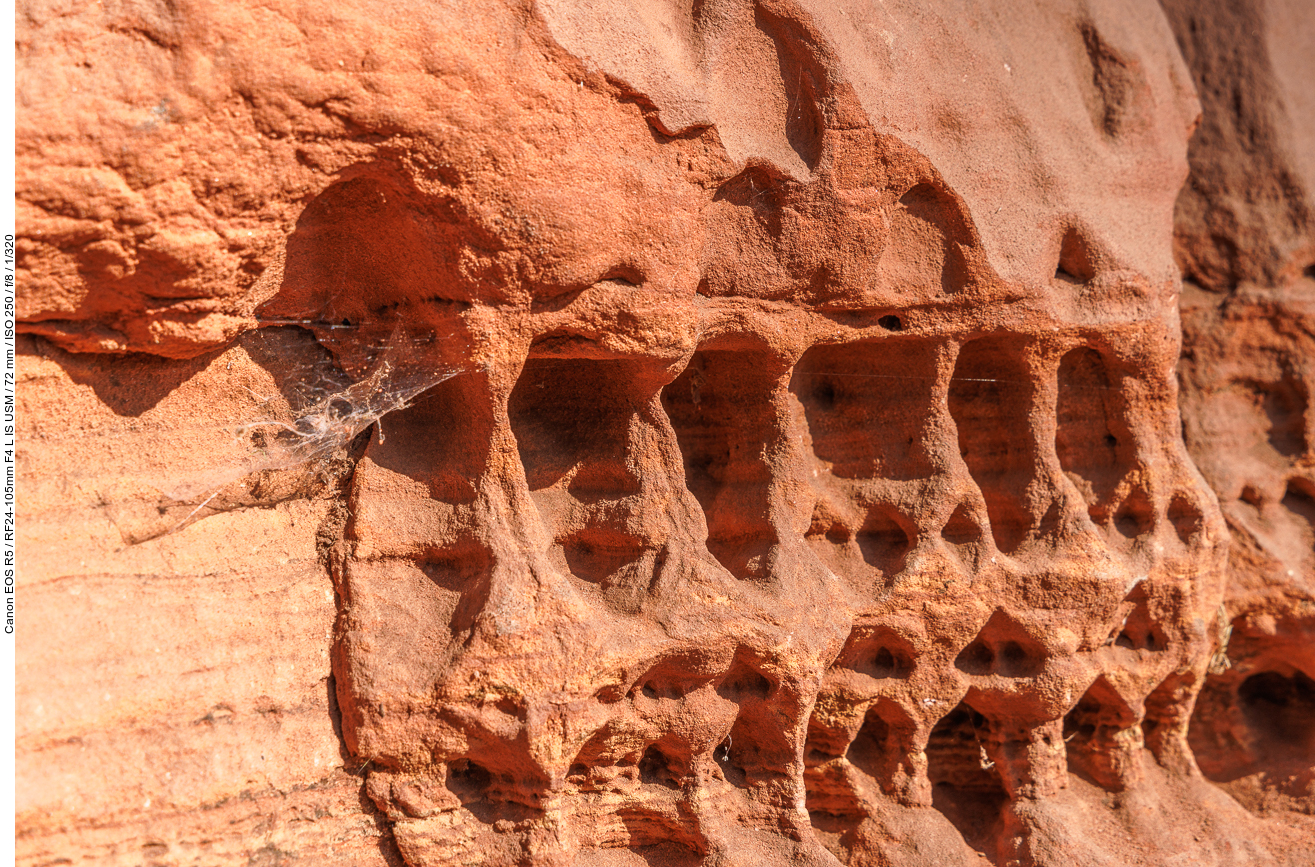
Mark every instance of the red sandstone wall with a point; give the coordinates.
(1245, 234)
(576, 435)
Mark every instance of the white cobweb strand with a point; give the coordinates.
(335, 419)
(330, 416)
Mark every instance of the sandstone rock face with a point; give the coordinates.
(738, 433)
(1246, 239)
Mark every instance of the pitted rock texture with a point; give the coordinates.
(792, 470)
(1246, 241)
(544, 650)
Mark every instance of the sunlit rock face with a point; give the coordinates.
(773, 453)
(793, 495)
(1245, 237)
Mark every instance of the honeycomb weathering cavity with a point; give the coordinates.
(858, 537)
(734, 599)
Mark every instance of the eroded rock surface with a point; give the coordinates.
(730, 434)
(1246, 239)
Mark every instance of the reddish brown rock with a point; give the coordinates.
(1246, 240)
(737, 434)
(1247, 213)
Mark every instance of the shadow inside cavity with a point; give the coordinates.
(966, 791)
(990, 397)
(723, 412)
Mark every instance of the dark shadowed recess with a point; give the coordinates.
(990, 398)
(965, 787)
(724, 411)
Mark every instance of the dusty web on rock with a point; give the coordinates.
(332, 383)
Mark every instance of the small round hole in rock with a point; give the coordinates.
(976, 659)
(1186, 518)
(1014, 660)
(824, 394)
(655, 769)
(467, 780)
(891, 323)
(885, 663)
